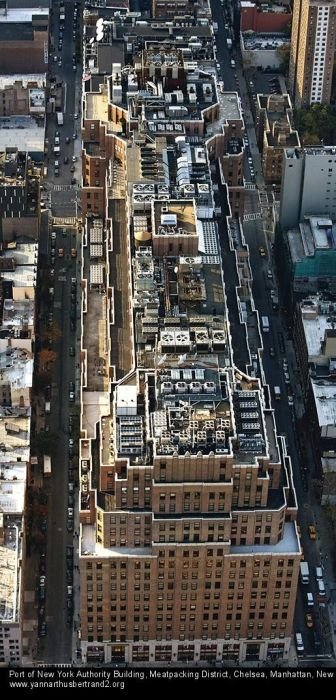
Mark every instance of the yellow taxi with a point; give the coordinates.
(312, 532)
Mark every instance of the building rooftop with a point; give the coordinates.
(264, 42)
(174, 218)
(10, 551)
(318, 318)
(230, 106)
(325, 403)
(315, 234)
(96, 106)
(288, 544)
(24, 80)
(278, 8)
(23, 133)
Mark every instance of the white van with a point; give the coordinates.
(299, 642)
(321, 588)
(310, 600)
(318, 573)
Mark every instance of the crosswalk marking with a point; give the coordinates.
(64, 221)
(62, 188)
(252, 217)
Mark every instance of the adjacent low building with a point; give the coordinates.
(17, 320)
(309, 255)
(24, 37)
(265, 18)
(22, 95)
(275, 132)
(315, 345)
(19, 196)
(262, 50)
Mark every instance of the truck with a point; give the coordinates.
(265, 324)
(46, 465)
(304, 572)
(59, 117)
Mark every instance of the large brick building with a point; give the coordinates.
(188, 547)
(312, 51)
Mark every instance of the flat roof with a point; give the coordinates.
(23, 14)
(39, 79)
(9, 571)
(230, 106)
(325, 402)
(96, 106)
(184, 212)
(289, 544)
(314, 330)
(22, 133)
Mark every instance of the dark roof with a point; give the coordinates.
(108, 55)
(16, 31)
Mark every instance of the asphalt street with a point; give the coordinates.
(60, 259)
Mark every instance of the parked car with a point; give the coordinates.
(312, 532)
(42, 629)
(70, 525)
(309, 620)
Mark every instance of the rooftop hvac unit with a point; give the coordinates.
(163, 197)
(203, 188)
(201, 337)
(195, 388)
(181, 387)
(220, 435)
(168, 220)
(201, 436)
(166, 387)
(209, 387)
(209, 424)
(218, 337)
(182, 338)
(189, 189)
(167, 338)
(139, 198)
